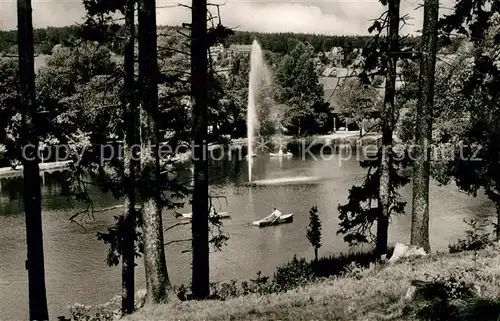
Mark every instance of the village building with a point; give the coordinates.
(335, 56)
(216, 52)
(239, 50)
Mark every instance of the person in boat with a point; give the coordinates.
(276, 214)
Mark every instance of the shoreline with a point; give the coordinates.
(9, 172)
(340, 138)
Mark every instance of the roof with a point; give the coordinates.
(330, 72)
(337, 49)
(241, 48)
(329, 86)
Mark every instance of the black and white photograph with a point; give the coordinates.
(253, 160)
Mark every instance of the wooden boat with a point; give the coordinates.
(281, 154)
(220, 215)
(269, 220)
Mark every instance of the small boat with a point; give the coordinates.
(220, 215)
(269, 220)
(281, 154)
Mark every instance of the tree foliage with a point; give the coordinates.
(468, 114)
(306, 111)
(9, 112)
(358, 100)
(314, 230)
(361, 211)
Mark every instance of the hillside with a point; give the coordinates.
(382, 292)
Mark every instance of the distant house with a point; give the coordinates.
(216, 51)
(239, 50)
(335, 55)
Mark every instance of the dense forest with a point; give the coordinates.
(47, 38)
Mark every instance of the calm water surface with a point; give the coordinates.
(75, 260)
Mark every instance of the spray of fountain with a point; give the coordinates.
(259, 82)
(259, 75)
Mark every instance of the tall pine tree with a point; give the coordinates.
(423, 137)
(157, 281)
(388, 122)
(200, 222)
(32, 197)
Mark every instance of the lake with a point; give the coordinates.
(75, 265)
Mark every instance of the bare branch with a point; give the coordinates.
(177, 241)
(167, 6)
(83, 227)
(184, 6)
(177, 224)
(183, 34)
(108, 209)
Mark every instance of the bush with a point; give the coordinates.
(475, 239)
(297, 272)
(444, 296)
(81, 312)
(293, 274)
(224, 290)
(341, 264)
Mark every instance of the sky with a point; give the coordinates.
(332, 17)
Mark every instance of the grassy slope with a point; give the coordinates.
(372, 294)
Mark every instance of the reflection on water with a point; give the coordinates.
(75, 259)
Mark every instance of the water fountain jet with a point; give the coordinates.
(259, 74)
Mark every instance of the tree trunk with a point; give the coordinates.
(498, 223)
(157, 281)
(387, 129)
(129, 104)
(423, 136)
(316, 254)
(31, 173)
(200, 221)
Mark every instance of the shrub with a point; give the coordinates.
(293, 274)
(224, 290)
(297, 272)
(80, 312)
(475, 239)
(443, 296)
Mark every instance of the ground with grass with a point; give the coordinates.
(380, 292)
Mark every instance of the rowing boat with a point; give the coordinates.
(281, 154)
(220, 215)
(270, 220)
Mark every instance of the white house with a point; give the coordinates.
(335, 55)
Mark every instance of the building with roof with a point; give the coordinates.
(335, 55)
(216, 52)
(240, 49)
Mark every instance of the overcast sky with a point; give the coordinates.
(335, 17)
